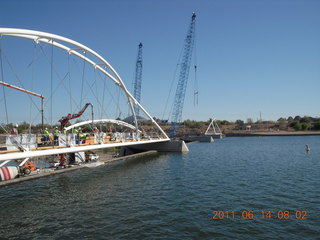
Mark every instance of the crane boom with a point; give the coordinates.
(138, 80)
(64, 120)
(183, 78)
(31, 93)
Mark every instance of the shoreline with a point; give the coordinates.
(269, 133)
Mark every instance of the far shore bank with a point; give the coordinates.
(242, 133)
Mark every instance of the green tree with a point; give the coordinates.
(239, 122)
(305, 119)
(304, 126)
(317, 125)
(296, 126)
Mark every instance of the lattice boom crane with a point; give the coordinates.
(138, 80)
(183, 78)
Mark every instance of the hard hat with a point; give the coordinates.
(79, 128)
(17, 125)
(46, 128)
(56, 127)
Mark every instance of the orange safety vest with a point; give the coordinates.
(30, 165)
(14, 131)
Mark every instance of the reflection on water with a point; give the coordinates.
(173, 196)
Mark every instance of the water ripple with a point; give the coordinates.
(173, 196)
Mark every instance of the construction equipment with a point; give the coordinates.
(138, 80)
(31, 93)
(64, 120)
(183, 78)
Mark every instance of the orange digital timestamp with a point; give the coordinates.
(251, 214)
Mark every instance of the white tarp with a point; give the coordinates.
(21, 141)
(67, 139)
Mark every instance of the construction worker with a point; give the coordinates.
(56, 134)
(14, 130)
(76, 133)
(110, 131)
(82, 136)
(46, 136)
(95, 130)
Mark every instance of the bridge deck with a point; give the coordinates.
(52, 150)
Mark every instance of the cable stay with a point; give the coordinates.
(83, 71)
(51, 84)
(3, 89)
(17, 78)
(70, 98)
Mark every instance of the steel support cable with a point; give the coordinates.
(32, 84)
(3, 89)
(95, 96)
(35, 57)
(103, 111)
(97, 93)
(51, 83)
(84, 96)
(21, 84)
(91, 88)
(61, 82)
(112, 97)
(46, 103)
(69, 83)
(104, 91)
(118, 108)
(83, 71)
(18, 79)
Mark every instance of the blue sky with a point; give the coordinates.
(252, 56)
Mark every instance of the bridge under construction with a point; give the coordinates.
(98, 133)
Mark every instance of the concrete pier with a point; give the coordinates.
(171, 146)
(202, 138)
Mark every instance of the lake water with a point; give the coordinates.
(175, 196)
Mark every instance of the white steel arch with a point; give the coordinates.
(118, 122)
(75, 49)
